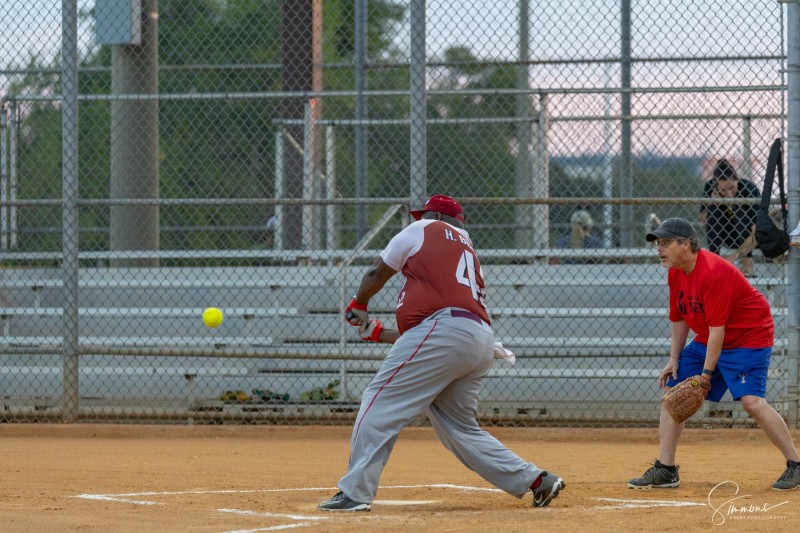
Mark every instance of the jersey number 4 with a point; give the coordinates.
(465, 275)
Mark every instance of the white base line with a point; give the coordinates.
(643, 504)
(126, 497)
(116, 498)
(307, 521)
(242, 512)
(272, 528)
(262, 513)
(404, 502)
(303, 521)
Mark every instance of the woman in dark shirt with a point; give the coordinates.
(730, 226)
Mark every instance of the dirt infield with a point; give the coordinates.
(266, 478)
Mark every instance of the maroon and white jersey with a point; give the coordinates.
(440, 268)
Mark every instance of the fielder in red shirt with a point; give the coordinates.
(731, 349)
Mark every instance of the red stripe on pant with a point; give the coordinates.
(358, 426)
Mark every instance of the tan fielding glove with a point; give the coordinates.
(684, 399)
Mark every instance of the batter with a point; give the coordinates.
(441, 351)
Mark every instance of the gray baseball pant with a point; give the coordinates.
(437, 365)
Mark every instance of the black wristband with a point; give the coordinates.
(707, 372)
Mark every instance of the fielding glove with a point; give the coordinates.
(356, 313)
(685, 399)
(371, 331)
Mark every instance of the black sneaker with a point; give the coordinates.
(790, 479)
(340, 502)
(657, 476)
(549, 487)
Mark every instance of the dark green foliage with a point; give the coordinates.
(225, 147)
(210, 148)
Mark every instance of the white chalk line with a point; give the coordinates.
(126, 497)
(306, 521)
(271, 528)
(242, 512)
(643, 504)
(404, 502)
(116, 498)
(267, 514)
(133, 499)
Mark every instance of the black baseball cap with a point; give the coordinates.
(672, 228)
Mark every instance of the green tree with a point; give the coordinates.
(469, 157)
(220, 148)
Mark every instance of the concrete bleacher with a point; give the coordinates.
(569, 325)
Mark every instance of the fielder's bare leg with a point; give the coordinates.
(771, 424)
(669, 433)
(664, 472)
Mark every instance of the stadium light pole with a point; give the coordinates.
(135, 141)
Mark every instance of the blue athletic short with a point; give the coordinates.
(742, 370)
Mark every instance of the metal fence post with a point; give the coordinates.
(13, 181)
(69, 149)
(309, 211)
(3, 178)
(626, 147)
(362, 190)
(418, 190)
(608, 164)
(524, 219)
(793, 189)
(330, 188)
(747, 151)
(277, 229)
(541, 175)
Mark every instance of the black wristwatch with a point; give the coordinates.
(707, 372)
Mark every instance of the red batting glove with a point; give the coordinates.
(356, 313)
(371, 331)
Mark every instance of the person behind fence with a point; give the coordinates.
(729, 228)
(266, 231)
(731, 349)
(579, 236)
(442, 348)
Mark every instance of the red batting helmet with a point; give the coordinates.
(440, 203)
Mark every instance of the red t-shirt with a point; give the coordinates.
(440, 268)
(716, 294)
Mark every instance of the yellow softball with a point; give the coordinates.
(212, 317)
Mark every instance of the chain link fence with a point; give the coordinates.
(161, 156)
